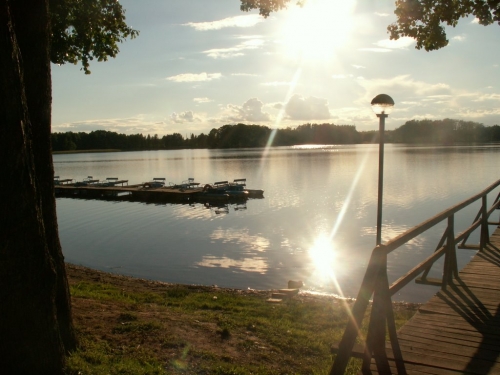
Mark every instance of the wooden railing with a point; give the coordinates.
(376, 283)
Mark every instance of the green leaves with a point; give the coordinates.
(265, 7)
(423, 20)
(84, 30)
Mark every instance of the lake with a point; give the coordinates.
(316, 222)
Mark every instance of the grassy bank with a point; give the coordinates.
(134, 326)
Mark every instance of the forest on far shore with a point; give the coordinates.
(442, 132)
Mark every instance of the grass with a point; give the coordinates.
(131, 326)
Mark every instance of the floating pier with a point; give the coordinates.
(154, 191)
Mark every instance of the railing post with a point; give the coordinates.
(358, 311)
(485, 233)
(375, 339)
(450, 260)
(382, 317)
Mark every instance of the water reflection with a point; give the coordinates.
(316, 222)
(323, 256)
(241, 237)
(254, 264)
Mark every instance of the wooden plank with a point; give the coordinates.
(449, 335)
(447, 325)
(450, 347)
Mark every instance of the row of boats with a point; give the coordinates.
(218, 190)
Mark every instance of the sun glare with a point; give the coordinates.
(323, 255)
(316, 30)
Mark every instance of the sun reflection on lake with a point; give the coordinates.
(323, 256)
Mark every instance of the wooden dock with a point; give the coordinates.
(458, 330)
(136, 192)
(147, 193)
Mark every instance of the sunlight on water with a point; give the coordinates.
(323, 257)
(316, 222)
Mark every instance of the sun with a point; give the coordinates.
(316, 30)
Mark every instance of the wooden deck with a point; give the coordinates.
(458, 330)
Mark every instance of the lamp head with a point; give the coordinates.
(382, 104)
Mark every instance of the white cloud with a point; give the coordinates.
(180, 118)
(382, 14)
(359, 66)
(251, 110)
(400, 43)
(374, 49)
(237, 21)
(191, 77)
(202, 100)
(229, 52)
(459, 38)
(403, 86)
(310, 108)
(139, 124)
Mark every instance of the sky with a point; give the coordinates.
(201, 64)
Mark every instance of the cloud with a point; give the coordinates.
(310, 108)
(250, 111)
(235, 51)
(181, 118)
(139, 124)
(403, 86)
(191, 77)
(459, 38)
(202, 100)
(237, 21)
(374, 50)
(382, 14)
(359, 66)
(401, 43)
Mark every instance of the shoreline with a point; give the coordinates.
(77, 273)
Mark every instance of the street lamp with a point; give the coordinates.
(382, 105)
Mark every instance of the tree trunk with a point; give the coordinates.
(35, 314)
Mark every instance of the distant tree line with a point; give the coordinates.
(445, 131)
(227, 136)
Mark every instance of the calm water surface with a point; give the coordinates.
(316, 222)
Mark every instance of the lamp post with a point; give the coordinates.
(382, 105)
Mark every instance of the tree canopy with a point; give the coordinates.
(265, 7)
(422, 20)
(84, 30)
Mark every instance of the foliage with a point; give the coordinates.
(447, 131)
(423, 19)
(227, 136)
(84, 30)
(265, 7)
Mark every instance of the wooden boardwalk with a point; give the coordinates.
(458, 330)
